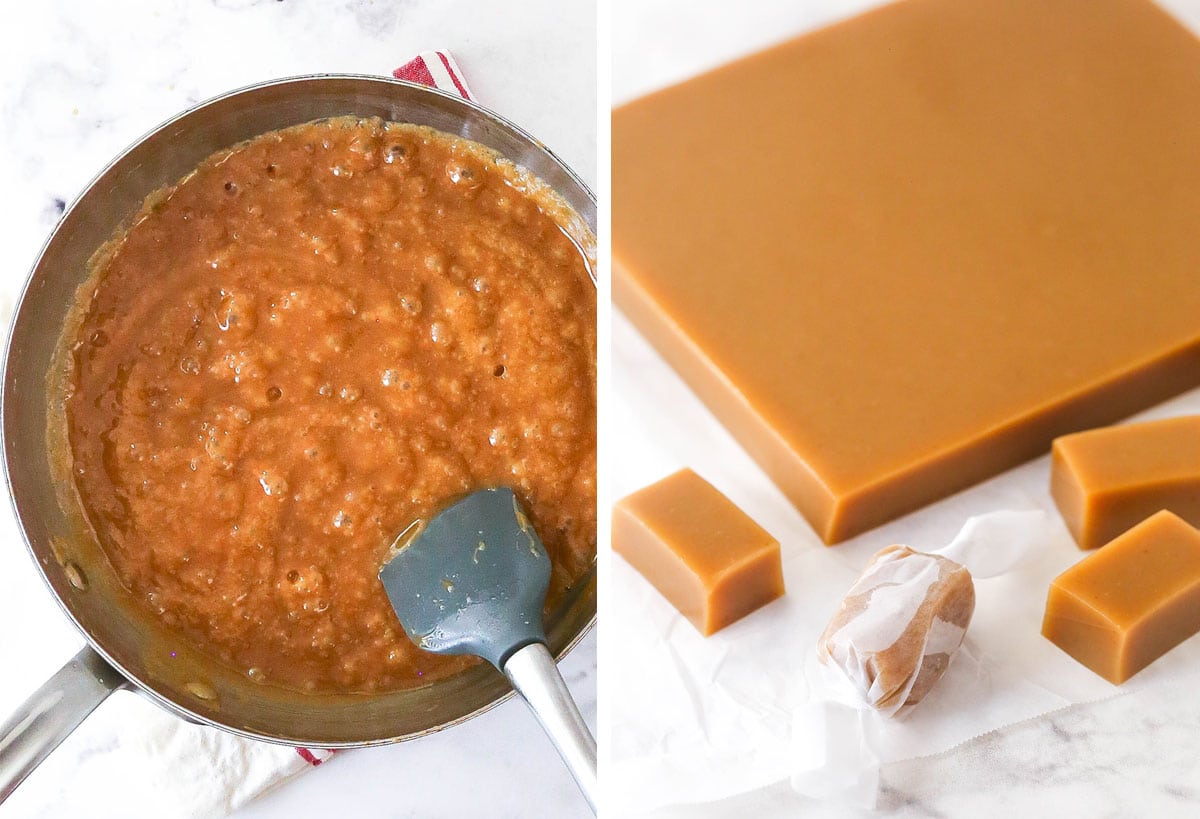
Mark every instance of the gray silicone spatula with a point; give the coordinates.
(472, 580)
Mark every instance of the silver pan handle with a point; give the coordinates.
(51, 713)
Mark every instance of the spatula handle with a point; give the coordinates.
(532, 671)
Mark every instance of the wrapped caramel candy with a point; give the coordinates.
(896, 629)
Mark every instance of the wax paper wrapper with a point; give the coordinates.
(897, 628)
(701, 719)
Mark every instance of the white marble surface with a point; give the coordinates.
(80, 81)
(1136, 754)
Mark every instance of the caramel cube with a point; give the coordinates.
(1107, 480)
(1125, 605)
(704, 554)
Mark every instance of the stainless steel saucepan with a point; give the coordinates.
(127, 648)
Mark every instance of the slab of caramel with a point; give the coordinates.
(712, 562)
(1107, 480)
(1125, 605)
(904, 253)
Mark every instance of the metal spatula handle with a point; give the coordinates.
(532, 672)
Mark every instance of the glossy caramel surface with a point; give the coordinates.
(314, 339)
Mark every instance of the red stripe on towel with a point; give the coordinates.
(455, 76)
(308, 757)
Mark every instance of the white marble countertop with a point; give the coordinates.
(1137, 754)
(81, 81)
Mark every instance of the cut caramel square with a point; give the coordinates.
(1124, 606)
(704, 554)
(1110, 479)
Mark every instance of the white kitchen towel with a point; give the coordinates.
(131, 758)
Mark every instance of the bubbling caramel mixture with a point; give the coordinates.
(310, 341)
